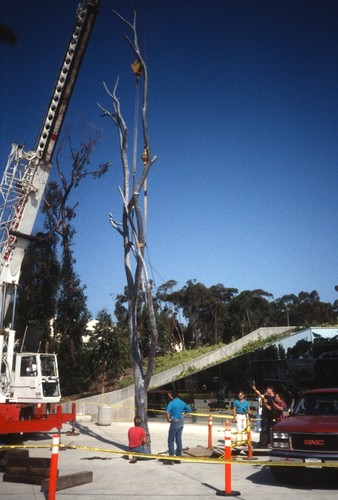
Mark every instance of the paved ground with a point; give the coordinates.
(115, 478)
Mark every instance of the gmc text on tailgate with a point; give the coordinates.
(309, 436)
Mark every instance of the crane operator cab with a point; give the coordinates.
(35, 379)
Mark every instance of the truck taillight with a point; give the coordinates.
(280, 440)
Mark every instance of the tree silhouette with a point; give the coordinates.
(7, 35)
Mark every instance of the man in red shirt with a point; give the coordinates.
(137, 438)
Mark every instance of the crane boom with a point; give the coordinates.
(26, 173)
(29, 381)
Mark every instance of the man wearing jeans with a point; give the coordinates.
(174, 414)
(137, 439)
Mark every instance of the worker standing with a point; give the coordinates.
(240, 411)
(174, 414)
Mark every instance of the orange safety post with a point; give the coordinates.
(210, 432)
(54, 467)
(228, 492)
(248, 430)
(249, 441)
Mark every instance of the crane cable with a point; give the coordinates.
(137, 69)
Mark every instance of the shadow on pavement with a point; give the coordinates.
(84, 430)
(312, 479)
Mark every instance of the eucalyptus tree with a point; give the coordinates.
(311, 310)
(335, 304)
(305, 309)
(108, 353)
(7, 35)
(170, 330)
(72, 314)
(216, 313)
(132, 228)
(249, 310)
(206, 311)
(38, 289)
(191, 299)
(285, 309)
(175, 330)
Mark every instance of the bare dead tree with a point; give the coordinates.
(60, 213)
(70, 308)
(132, 227)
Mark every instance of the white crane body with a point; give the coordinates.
(27, 395)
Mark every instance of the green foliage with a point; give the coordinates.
(108, 351)
(257, 344)
(218, 313)
(7, 35)
(70, 324)
(72, 313)
(167, 361)
(189, 371)
(38, 288)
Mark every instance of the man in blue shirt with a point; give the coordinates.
(174, 414)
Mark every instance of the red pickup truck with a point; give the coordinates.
(309, 436)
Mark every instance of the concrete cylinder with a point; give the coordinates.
(105, 415)
(67, 407)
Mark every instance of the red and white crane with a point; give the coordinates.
(29, 382)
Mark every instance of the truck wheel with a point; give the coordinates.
(287, 474)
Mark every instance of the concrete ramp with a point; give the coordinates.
(123, 399)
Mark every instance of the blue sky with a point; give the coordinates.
(243, 118)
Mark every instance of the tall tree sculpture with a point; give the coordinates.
(132, 227)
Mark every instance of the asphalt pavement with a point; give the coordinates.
(103, 451)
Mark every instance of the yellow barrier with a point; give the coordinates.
(116, 405)
(233, 461)
(223, 416)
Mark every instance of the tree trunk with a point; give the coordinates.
(133, 232)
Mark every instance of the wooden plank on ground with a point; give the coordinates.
(217, 452)
(29, 462)
(6, 455)
(69, 481)
(15, 453)
(198, 452)
(23, 478)
(34, 471)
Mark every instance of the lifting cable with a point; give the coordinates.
(137, 69)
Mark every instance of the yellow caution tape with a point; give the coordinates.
(116, 405)
(219, 460)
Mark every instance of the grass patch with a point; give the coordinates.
(171, 360)
(163, 363)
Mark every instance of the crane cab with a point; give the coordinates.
(35, 379)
